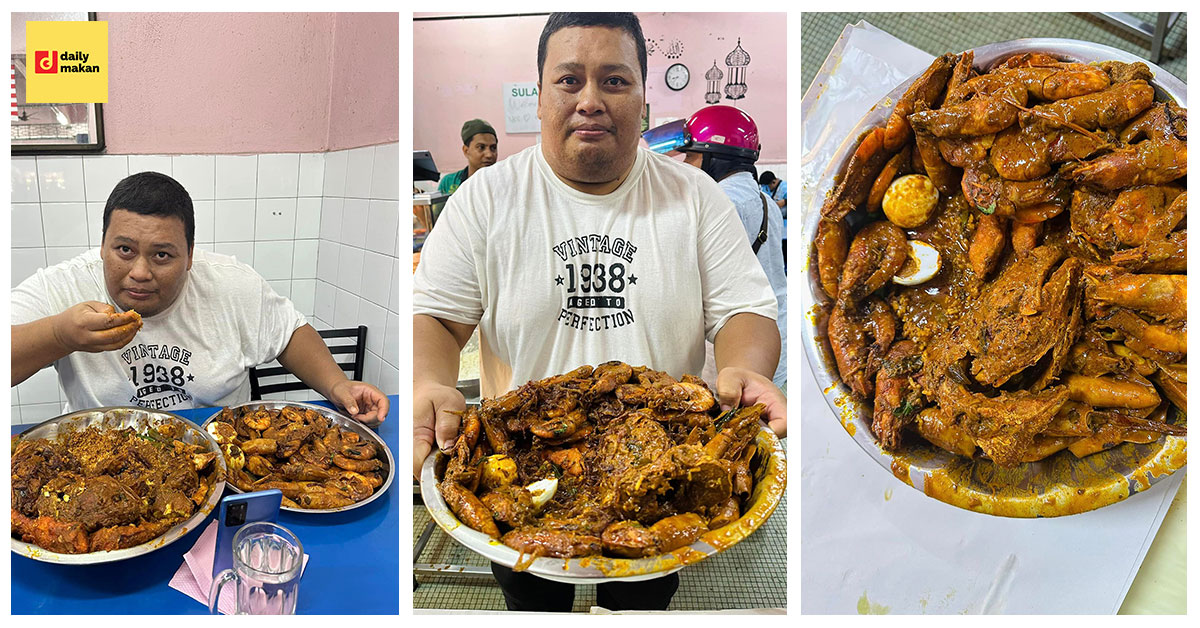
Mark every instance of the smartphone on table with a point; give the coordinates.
(237, 511)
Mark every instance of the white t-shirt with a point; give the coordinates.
(746, 195)
(556, 278)
(194, 354)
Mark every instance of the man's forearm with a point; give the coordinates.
(34, 347)
(309, 359)
(748, 341)
(436, 345)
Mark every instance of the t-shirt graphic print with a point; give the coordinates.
(159, 374)
(596, 275)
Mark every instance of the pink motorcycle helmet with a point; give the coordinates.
(717, 129)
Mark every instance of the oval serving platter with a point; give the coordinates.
(1059, 485)
(345, 423)
(770, 477)
(116, 418)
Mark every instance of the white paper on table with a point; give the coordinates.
(869, 542)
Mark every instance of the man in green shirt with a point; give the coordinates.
(479, 147)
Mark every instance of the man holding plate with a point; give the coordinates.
(583, 249)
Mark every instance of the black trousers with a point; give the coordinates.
(525, 592)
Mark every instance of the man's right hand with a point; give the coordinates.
(94, 327)
(433, 421)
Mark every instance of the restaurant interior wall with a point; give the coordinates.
(303, 188)
(460, 66)
(251, 83)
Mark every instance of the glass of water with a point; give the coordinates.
(267, 561)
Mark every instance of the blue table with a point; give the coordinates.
(353, 567)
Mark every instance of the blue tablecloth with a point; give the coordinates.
(354, 564)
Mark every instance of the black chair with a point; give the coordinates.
(353, 368)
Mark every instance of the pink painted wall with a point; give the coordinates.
(364, 104)
(460, 66)
(247, 82)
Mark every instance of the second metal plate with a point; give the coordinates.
(342, 421)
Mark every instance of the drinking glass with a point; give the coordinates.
(267, 562)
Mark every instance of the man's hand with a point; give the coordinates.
(94, 327)
(743, 386)
(362, 401)
(433, 405)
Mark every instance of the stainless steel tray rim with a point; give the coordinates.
(341, 419)
(578, 570)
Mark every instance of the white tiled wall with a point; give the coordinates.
(323, 229)
(357, 269)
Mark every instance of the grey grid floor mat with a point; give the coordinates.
(751, 574)
(938, 33)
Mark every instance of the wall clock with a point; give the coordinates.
(678, 76)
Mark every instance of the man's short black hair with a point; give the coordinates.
(767, 178)
(627, 22)
(152, 194)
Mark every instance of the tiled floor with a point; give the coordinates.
(938, 33)
(751, 574)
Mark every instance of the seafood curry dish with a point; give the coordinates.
(618, 460)
(96, 489)
(1005, 261)
(316, 464)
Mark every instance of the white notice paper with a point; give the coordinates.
(520, 108)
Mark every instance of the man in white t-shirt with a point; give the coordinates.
(585, 249)
(147, 321)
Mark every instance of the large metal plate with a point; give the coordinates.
(769, 480)
(140, 419)
(345, 423)
(1060, 485)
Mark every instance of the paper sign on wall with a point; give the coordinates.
(520, 108)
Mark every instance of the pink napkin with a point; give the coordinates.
(194, 577)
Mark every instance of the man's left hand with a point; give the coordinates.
(745, 387)
(362, 401)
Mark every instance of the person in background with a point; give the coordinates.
(479, 147)
(723, 142)
(582, 249)
(775, 188)
(146, 320)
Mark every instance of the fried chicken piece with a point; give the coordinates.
(356, 485)
(324, 497)
(259, 446)
(120, 537)
(510, 505)
(550, 542)
(93, 502)
(64, 537)
(297, 470)
(467, 507)
(292, 437)
(357, 465)
(259, 465)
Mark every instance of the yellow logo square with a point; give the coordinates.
(66, 62)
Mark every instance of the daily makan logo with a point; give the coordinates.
(46, 62)
(70, 62)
